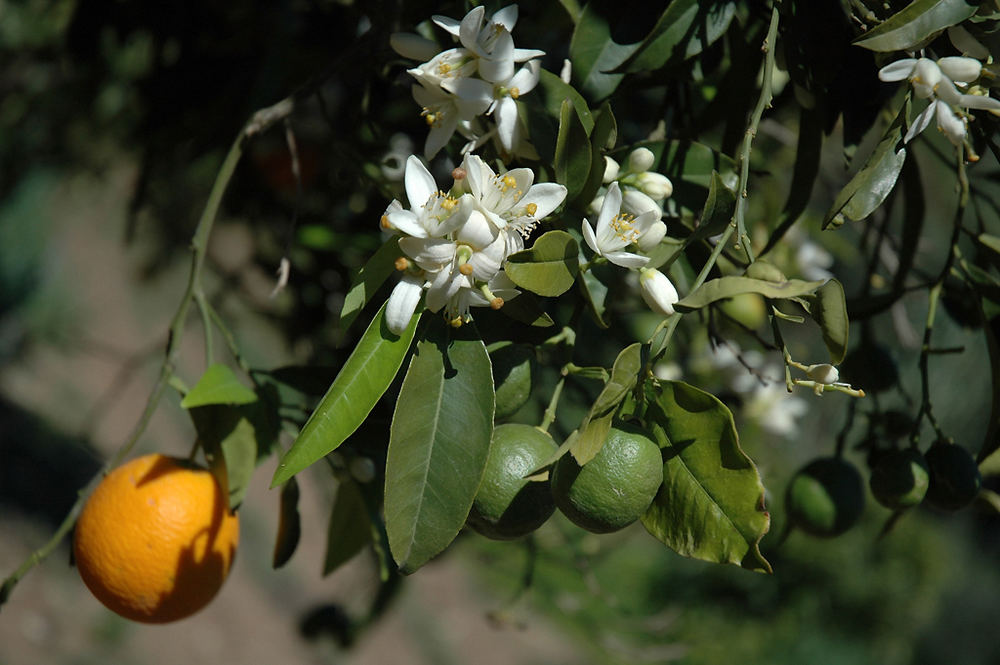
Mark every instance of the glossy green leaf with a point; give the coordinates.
(368, 280)
(871, 185)
(603, 138)
(572, 158)
(218, 385)
(711, 503)
(438, 444)
(594, 53)
(594, 293)
(526, 309)
(594, 429)
(289, 524)
(548, 267)
(349, 529)
(554, 91)
(229, 442)
(727, 287)
(828, 307)
(367, 374)
(718, 211)
(683, 31)
(513, 370)
(916, 23)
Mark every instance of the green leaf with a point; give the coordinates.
(868, 188)
(593, 54)
(229, 442)
(917, 22)
(572, 158)
(513, 370)
(684, 29)
(349, 529)
(989, 241)
(711, 503)
(362, 380)
(554, 90)
(218, 385)
(603, 138)
(594, 429)
(718, 211)
(594, 293)
(289, 524)
(829, 309)
(526, 309)
(368, 280)
(548, 267)
(438, 445)
(727, 287)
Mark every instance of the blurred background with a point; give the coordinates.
(114, 119)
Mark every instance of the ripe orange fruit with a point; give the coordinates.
(155, 541)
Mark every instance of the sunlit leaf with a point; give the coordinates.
(368, 280)
(289, 524)
(367, 374)
(727, 287)
(711, 503)
(594, 429)
(828, 307)
(548, 267)
(218, 385)
(438, 444)
(554, 90)
(871, 185)
(915, 23)
(683, 31)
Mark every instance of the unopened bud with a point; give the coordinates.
(824, 373)
(611, 169)
(656, 185)
(652, 237)
(640, 160)
(658, 291)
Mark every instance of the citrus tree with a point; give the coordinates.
(575, 235)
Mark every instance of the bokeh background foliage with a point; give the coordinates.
(89, 88)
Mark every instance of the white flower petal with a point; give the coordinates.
(920, 123)
(440, 132)
(609, 210)
(468, 30)
(588, 235)
(626, 259)
(897, 71)
(949, 123)
(546, 197)
(477, 232)
(925, 78)
(958, 68)
(406, 222)
(526, 78)
(419, 183)
(979, 102)
(403, 302)
(498, 66)
(507, 17)
(428, 253)
(448, 24)
(506, 119)
(658, 291)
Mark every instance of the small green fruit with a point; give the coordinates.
(826, 497)
(508, 505)
(613, 489)
(954, 476)
(900, 478)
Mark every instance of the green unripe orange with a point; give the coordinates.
(826, 497)
(899, 478)
(508, 505)
(954, 476)
(613, 489)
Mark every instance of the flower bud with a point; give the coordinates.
(611, 169)
(595, 206)
(656, 185)
(640, 160)
(925, 78)
(636, 203)
(962, 69)
(658, 291)
(823, 373)
(652, 237)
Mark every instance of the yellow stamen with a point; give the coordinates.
(402, 263)
(444, 69)
(514, 92)
(465, 269)
(531, 209)
(384, 222)
(508, 182)
(456, 322)
(496, 303)
(449, 203)
(622, 225)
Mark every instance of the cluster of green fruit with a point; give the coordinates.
(826, 497)
(606, 494)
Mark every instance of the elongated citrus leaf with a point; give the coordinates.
(711, 503)
(915, 23)
(289, 524)
(368, 280)
(572, 158)
(990, 241)
(229, 442)
(868, 188)
(367, 374)
(829, 309)
(594, 53)
(603, 138)
(218, 385)
(548, 267)
(595, 427)
(727, 287)
(684, 29)
(718, 211)
(554, 90)
(438, 444)
(349, 529)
